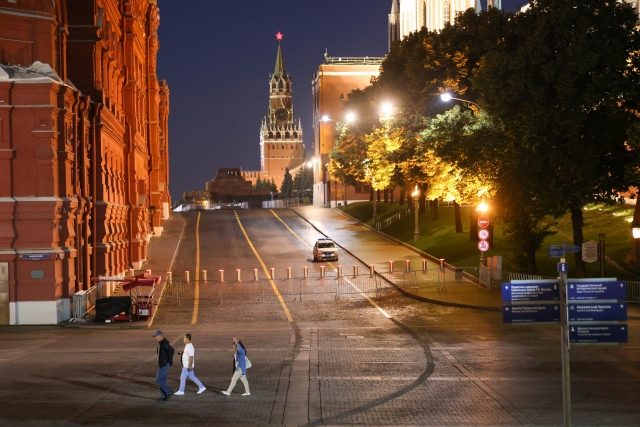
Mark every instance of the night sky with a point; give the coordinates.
(217, 55)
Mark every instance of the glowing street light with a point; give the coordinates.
(350, 117)
(326, 118)
(482, 207)
(416, 231)
(446, 97)
(387, 109)
(309, 163)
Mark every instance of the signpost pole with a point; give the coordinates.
(564, 332)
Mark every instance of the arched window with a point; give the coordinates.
(278, 136)
(295, 135)
(270, 135)
(286, 135)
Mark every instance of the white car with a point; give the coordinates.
(325, 250)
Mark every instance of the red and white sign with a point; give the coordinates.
(483, 234)
(483, 222)
(483, 245)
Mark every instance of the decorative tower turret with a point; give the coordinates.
(281, 144)
(394, 23)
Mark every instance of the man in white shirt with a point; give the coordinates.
(188, 362)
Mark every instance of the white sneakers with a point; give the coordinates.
(201, 390)
(179, 393)
(247, 394)
(226, 393)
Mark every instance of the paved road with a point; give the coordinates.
(335, 362)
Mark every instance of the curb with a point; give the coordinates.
(408, 294)
(107, 326)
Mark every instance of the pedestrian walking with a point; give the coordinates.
(165, 360)
(240, 365)
(188, 363)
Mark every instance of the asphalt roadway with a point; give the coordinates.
(384, 360)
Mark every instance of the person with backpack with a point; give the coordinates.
(240, 368)
(165, 360)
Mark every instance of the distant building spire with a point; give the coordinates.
(280, 70)
(478, 7)
(394, 23)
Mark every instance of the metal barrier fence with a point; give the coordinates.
(633, 292)
(85, 301)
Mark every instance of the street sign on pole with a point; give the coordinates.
(483, 222)
(564, 248)
(588, 334)
(597, 290)
(598, 312)
(483, 234)
(555, 254)
(532, 291)
(483, 245)
(538, 313)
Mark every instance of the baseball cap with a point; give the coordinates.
(157, 333)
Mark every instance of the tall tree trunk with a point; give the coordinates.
(402, 194)
(434, 210)
(456, 210)
(391, 190)
(378, 195)
(578, 221)
(422, 198)
(371, 194)
(385, 194)
(532, 268)
(345, 195)
(473, 225)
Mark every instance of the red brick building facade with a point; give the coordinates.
(83, 148)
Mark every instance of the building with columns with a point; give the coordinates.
(83, 149)
(408, 16)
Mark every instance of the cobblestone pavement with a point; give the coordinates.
(339, 362)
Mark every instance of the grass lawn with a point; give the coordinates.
(439, 238)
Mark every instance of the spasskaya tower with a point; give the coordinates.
(281, 143)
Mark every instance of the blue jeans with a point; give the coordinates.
(161, 379)
(188, 374)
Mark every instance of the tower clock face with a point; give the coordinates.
(282, 114)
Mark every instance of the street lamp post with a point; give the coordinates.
(446, 97)
(635, 229)
(416, 231)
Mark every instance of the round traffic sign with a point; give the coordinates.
(483, 245)
(483, 221)
(483, 234)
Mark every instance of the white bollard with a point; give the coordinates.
(204, 275)
(407, 265)
(339, 271)
(273, 273)
(441, 263)
(221, 273)
(238, 275)
(424, 265)
(355, 271)
(390, 266)
(186, 276)
(149, 272)
(372, 270)
(305, 272)
(169, 276)
(322, 271)
(132, 272)
(288, 272)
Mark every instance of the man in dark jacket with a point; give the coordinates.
(165, 359)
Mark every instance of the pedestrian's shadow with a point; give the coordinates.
(92, 386)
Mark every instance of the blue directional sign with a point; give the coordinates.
(598, 312)
(597, 290)
(561, 248)
(35, 257)
(553, 253)
(531, 313)
(531, 291)
(598, 334)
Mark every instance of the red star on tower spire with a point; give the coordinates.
(279, 36)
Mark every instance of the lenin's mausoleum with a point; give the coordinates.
(83, 149)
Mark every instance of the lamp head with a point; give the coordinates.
(482, 207)
(350, 117)
(387, 108)
(325, 118)
(416, 192)
(445, 96)
(635, 230)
